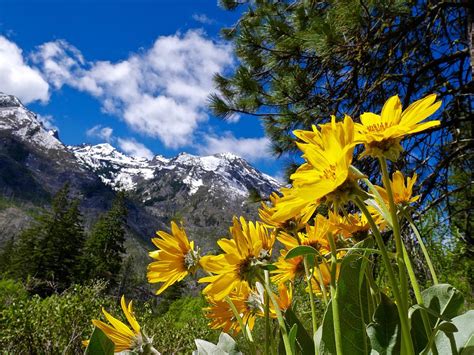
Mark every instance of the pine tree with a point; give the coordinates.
(49, 250)
(104, 248)
(302, 61)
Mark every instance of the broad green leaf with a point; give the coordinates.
(384, 332)
(464, 337)
(444, 299)
(304, 341)
(300, 251)
(350, 297)
(99, 344)
(442, 302)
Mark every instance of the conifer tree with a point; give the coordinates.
(49, 250)
(104, 248)
(302, 61)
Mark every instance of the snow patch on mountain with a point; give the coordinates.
(24, 124)
(226, 172)
(118, 170)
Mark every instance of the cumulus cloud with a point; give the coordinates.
(59, 60)
(252, 149)
(161, 92)
(17, 77)
(104, 133)
(134, 148)
(204, 19)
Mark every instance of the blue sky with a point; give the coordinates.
(134, 73)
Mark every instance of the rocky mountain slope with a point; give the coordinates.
(224, 171)
(203, 192)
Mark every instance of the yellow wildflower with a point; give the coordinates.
(355, 225)
(247, 303)
(121, 335)
(284, 297)
(317, 281)
(287, 269)
(381, 134)
(250, 246)
(326, 174)
(295, 224)
(175, 258)
(402, 193)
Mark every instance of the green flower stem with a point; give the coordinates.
(148, 349)
(267, 315)
(374, 191)
(311, 295)
(396, 234)
(422, 246)
(334, 298)
(247, 335)
(322, 285)
(405, 325)
(419, 298)
(281, 321)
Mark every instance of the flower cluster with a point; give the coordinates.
(316, 220)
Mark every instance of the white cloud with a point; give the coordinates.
(161, 92)
(204, 19)
(58, 61)
(134, 148)
(104, 133)
(252, 149)
(47, 121)
(17, 77)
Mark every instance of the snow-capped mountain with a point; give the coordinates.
(224, 171)
(204, 192)
(25, 125)
(116, 169)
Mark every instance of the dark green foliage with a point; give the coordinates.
(50, 249)
(58, 323)
(6, 256)
(51, 325)
(104, 248)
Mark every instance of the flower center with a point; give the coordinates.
(191, 260)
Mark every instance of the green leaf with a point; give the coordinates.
(463, 338)
(99, 344)
(350, 297)
(292, 337)
(447, 327)
(442, 302)
(384, 332)
(304, 341)
(300, 251)
(444, 299)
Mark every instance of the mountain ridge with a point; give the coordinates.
(202, 192)
(121, 171)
